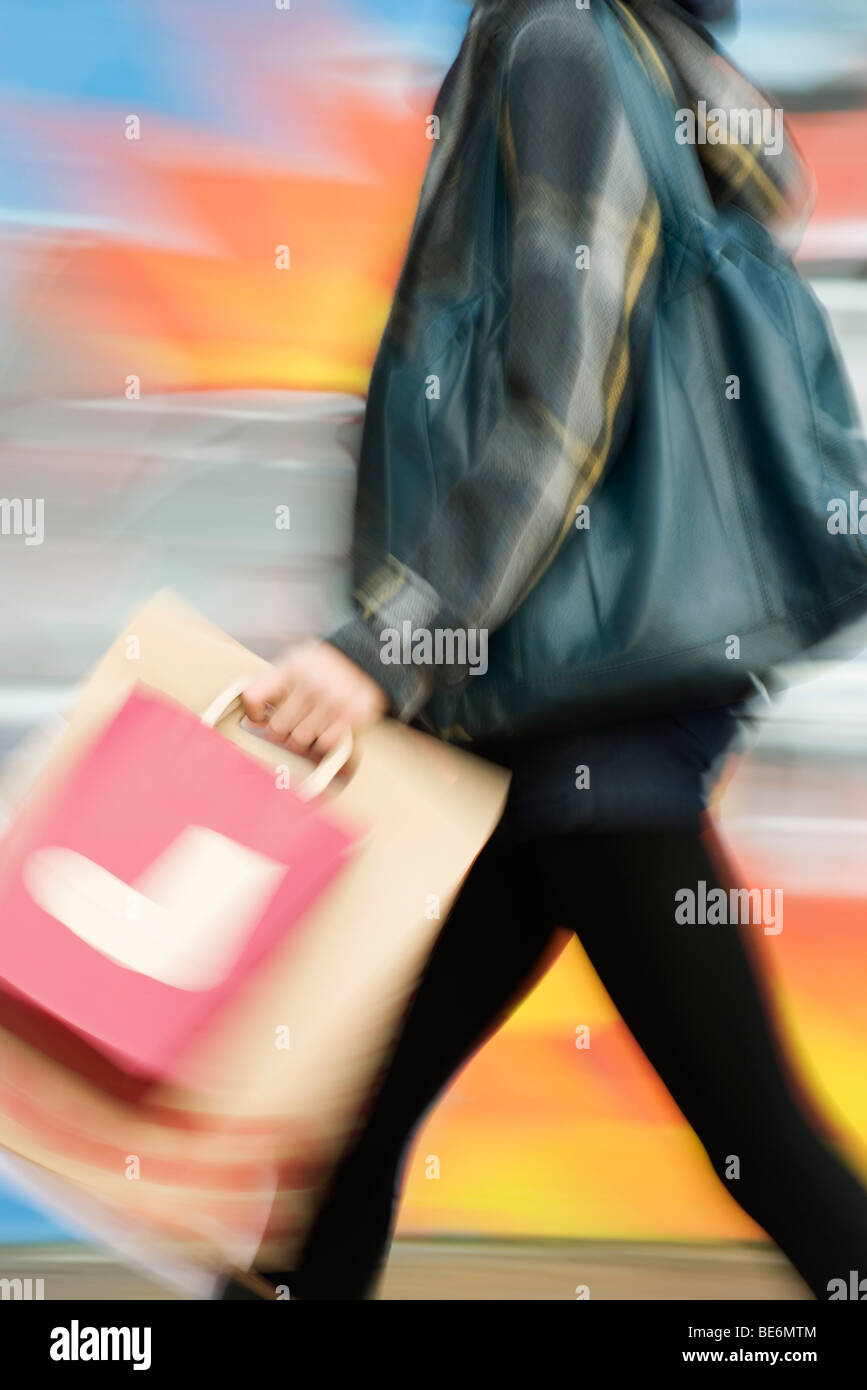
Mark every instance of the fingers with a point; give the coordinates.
(312, 698)
(295, 715)
(268, 689)
(292, 713)
(281, 698)
(310, 744)
(304, 732)
(330, 737)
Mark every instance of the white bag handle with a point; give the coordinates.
(229, 701)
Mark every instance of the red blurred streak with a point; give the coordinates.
(834, 144)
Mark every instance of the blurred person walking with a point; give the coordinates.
(459, 524)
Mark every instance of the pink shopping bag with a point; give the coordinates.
(167, 867)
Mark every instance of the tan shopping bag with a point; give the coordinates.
(233, 1153)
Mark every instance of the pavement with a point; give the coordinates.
(458, 1270)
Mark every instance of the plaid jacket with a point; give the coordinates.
(534, 76)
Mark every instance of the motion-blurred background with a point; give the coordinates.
(148, 265)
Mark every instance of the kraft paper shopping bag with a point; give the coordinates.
(261, 1105)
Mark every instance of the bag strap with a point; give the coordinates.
(229, 702)
(651, 101)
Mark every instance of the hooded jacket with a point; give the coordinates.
(452, 533)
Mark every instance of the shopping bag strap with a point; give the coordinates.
(229, 702)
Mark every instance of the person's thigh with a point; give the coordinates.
(491, 950)
(699, 1008)
(690, 994)
(493, 946)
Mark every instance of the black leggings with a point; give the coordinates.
(689, 994)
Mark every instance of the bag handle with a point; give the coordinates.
(229, 702)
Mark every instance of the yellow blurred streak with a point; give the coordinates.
(602, 1180)
(569, 994)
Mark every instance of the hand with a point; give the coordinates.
(312, 697)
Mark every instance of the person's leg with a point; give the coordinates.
(692, 998)
(491, 950)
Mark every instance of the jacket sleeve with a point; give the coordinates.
(584, 267)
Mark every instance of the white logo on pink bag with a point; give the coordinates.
(183, 922)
